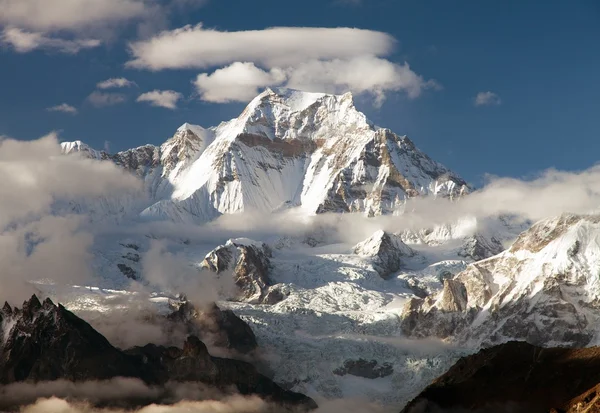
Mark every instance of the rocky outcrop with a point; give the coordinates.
(478, 247)
(46, 342)
(364, 368)
(249, 261)
(387, 252)
(516, 377)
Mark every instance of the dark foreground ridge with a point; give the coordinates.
(516, 377)
(46, 342)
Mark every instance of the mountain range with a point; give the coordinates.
(378, 317)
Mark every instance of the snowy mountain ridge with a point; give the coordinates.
(287, 148)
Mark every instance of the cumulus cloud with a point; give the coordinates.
(487, 99)
(63, 107)
(334, 60)
(161, 98)
(238, 82)
(26, 41)
(115, 82)
(241, 81)
(34, 177)
(101, 99)
(359, 74)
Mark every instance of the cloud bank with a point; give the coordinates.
(34, 177)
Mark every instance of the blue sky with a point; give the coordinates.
(540, 59)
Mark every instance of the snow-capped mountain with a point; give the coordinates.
(544, 289)
(338, 319)
(287, 148)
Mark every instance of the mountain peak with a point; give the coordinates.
(293, 99)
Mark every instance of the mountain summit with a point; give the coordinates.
(286, 149)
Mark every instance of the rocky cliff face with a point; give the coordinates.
(222, 327)
(45, 342)
(516, 377)
(249, 262)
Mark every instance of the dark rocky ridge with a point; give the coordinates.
(226, 330)
(46, 342)
(516, 377)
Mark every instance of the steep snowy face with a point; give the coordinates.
(291, 148)
(544, 289)
(177, 153)
(82, 149)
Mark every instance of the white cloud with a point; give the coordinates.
(67, 25)
(366, 74)
(101, 99)
(44, 15)
(197, 47)
(25, 41)
(334, 60)
(63, 107)
(115, 82)
(34, 177)
(487, 99)
(161, 98)
(238, 82)
(360, 74)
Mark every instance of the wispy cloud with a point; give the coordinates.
(26, 41)
(101, 99)
(63, 107)
(115, 82)
(487, 99)
(161, 98)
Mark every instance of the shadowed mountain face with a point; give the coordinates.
(516, 377)
(46, 342)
